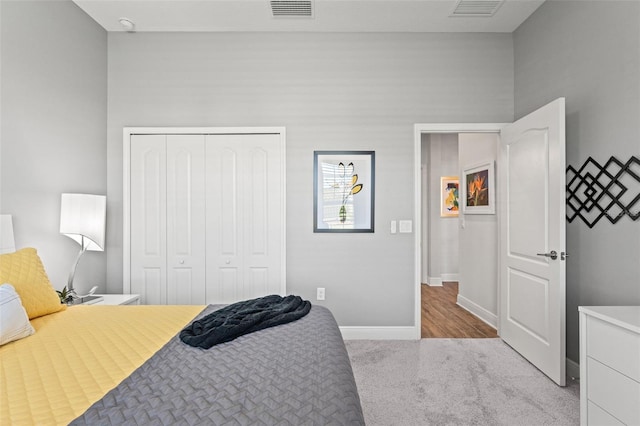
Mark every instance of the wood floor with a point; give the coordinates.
(442, 317)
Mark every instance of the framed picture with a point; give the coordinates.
(343, 191)
(478, 189)
(449, 196)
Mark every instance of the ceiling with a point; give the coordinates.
(328, 15)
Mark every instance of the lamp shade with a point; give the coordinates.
(83, 218)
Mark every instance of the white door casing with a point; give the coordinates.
(532, 227)
(254, 182)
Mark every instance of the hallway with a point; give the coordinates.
(442, 317)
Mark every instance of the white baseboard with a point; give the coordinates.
(450, 277)
(477, 310)
(573, 369)
(434, 282)
(379, 333)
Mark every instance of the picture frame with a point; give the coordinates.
(478, 189)
(449, 196)
(343, 191)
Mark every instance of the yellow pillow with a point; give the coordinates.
(25, 272)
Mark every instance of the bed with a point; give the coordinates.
(127, 365)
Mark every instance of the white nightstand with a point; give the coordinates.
(115, 299)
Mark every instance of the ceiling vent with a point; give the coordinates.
(478, 8)
(292, 8)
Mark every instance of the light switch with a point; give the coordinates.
(393, 227)
(405, 226)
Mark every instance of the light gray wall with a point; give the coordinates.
(331, 91)
(442, 239)
(589, 52)
(449, 235)
(434, 254)
(54, 118)
(478, 233)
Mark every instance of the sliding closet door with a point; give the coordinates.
(149, 218)
(206, 215)
(262, 215)
(168, 219)
(185, 220)
(244, 216)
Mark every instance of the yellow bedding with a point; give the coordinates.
(78, 355)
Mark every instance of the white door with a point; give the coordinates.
(185, 220)
(532, 258)
(245, 217)
(167, 219)
(149, 218)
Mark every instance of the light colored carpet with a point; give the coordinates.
(456, 382)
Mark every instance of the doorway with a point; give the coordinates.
(476, 257)
(442, 316)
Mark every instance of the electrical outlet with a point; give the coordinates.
(320, 293)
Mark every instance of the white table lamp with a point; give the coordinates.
(83, 218)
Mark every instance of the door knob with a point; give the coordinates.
(552, 254)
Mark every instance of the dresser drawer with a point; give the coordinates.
(614, 392)
(599, 417)
(614, 346)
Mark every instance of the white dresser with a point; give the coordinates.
(609, 365)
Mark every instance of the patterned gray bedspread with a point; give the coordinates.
(293, 374)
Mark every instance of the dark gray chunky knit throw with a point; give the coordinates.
(242, 318)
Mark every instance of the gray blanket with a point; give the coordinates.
(293, 374)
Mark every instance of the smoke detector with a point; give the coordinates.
(292, 8)
(476, 8)
(127, 25)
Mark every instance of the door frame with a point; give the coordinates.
(127, 132)
(420, 129)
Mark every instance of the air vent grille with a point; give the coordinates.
(292, 8)
(479, 8)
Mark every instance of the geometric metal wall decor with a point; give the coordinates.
(611, 190)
